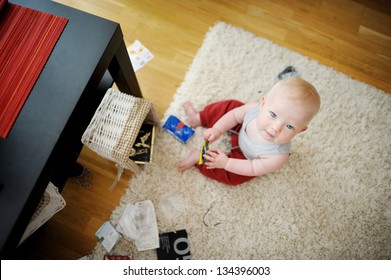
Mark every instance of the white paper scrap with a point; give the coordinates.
(108, 236)
(139, 55)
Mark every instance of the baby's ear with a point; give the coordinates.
(304, 129)
(263, 100)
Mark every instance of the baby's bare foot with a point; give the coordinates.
(189, 161)
(193, 116)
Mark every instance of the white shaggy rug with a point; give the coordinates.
(331, 201)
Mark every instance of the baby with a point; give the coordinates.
(261, 133)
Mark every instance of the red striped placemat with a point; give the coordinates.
(27, 37)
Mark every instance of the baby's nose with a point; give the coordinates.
(276, 128)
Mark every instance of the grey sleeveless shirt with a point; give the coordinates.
(253, 150)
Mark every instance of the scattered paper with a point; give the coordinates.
(138, 223)
(117, 257)
(108, 236)
(139, 55)
(174, 245)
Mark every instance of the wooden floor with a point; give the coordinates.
(353, 37)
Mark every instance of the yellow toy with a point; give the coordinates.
(204, 149)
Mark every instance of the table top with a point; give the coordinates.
(26, 155)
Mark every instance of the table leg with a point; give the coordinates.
(122, 72)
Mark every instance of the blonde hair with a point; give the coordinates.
(297, 89)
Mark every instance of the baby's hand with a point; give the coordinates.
(212, 134)
(215, 159)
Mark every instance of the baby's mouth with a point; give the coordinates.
(267, 136)
(270, 135)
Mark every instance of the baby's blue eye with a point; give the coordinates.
(273, 115)
(289, 126)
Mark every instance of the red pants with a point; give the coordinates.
(209, 116)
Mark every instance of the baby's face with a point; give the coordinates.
(281, 119)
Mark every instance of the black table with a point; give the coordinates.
(45, 139)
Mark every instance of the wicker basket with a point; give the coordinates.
(115, 125)
(51, 202)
